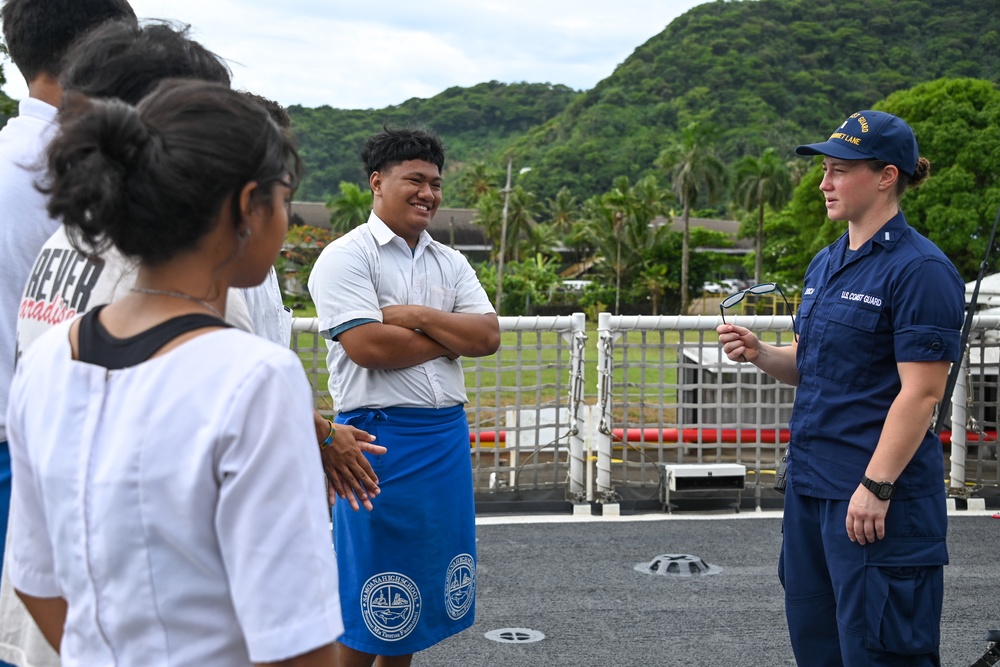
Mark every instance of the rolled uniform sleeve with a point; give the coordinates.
(928, 314)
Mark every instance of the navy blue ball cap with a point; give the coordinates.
(870, 134)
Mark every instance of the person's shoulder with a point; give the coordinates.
(355, 246)
(920, 248)
(447, 251)
(49, 350)
(241, 355)
(30, 131)
(357, 235)
(355, 242)
(821, 257)
(245, 344)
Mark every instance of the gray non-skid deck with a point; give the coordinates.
(573, 579)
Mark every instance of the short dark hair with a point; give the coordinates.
(395, 145)
(126, 60)
(152, 180)
(40, 32)
(278, 113)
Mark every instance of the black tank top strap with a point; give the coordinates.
(98, 347)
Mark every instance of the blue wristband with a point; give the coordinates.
(329, 438)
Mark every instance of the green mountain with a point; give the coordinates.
(760, 73)
(474, 123)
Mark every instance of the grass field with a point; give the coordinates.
(533, 367)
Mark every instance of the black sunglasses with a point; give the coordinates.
(763, 288)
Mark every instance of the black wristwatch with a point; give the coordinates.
(882, 490)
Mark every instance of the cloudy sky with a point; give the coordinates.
(355, 55)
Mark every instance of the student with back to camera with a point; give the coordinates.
(865, 519)
(169, 458)
(37, 34)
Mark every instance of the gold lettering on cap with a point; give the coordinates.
(846, 137)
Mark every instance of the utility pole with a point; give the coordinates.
(503, 236)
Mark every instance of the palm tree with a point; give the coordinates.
(695, 172)
(540, 239)
(619, 226)
(350, 208)
(476, 181)
(522, 216)
(489, 216)
(760, 182)
(564, 210)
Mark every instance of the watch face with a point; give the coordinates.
(884, 491)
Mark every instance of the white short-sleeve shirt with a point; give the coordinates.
(271, 318)
(369, 268)
(63, 283)
(177, 505)
(25, 224)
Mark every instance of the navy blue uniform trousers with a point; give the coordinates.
(873, 604)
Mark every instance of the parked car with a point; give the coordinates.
(712, 287)
(733, 285)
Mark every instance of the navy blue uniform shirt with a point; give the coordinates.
(897, 298)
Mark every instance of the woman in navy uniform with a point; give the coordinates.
(865, 517)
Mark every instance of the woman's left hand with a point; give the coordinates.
(866, 516)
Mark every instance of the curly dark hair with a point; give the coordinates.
(393, 146)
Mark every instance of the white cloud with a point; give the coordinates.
(372, 55)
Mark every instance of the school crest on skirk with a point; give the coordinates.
(460, 589)
(390, 605)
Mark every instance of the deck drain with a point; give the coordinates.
(515, 636)
(678, 565)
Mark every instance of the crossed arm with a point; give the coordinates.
(407, 336)
(411, 335)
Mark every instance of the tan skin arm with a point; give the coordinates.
(909, 418)
(465, 334)
(323, 656)
(382, 347)
(349, 472)
(49, 615)
(778, 361)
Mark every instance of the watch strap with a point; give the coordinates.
(882, 490)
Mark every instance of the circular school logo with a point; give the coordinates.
(460, 586)
(390, 605)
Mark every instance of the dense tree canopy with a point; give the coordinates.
(759, 183)
(695, 173)
(474, 122)
(957, 123)
(763, 73)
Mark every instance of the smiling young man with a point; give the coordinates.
(398, 311)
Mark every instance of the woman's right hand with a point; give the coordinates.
(739, 343)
